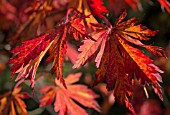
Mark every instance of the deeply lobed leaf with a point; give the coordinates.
(63, 98)
(28, 56)
(119, 62)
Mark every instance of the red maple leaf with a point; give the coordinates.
(119, 61)
(28, 56)
(11, 103)
(97, 7)
(64, 103)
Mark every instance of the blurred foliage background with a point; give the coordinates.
(13, 19)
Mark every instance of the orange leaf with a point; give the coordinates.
(118, 61)
(82, 6)
(12, 103)
(64, 103)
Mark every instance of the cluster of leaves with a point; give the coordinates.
(118, 60)
(30, 53)
(116, 54)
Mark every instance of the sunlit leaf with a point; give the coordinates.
(28, 56)
(119, 62)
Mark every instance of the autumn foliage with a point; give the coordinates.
(116, 48)
(64, 97)
(12, 103)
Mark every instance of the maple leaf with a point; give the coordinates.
(74, 27)
(11, 103)
(28, 56)
(83, 7)
(97, 7)
(89, 47)
(118, 61)
(64, 103)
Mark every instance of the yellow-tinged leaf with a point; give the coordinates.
(48, 98)
(3, 102)
(84, 94)
(12, 109)
(82, 6)
(16, 91)
(20, 106)
(11, 103)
